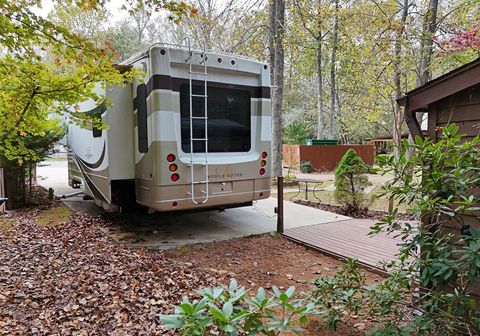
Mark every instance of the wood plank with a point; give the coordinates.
(373, 245)
(348, 238)
(347, 250)
(454, 114)
(350, 226)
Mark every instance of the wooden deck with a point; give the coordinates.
(348, 238)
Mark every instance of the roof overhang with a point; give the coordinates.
(420, 98)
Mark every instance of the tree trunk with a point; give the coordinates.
(333, 113)
(320, 126)
(397, 113)
(424, 73)
(30, 181)
(272, 8)
(277, 98)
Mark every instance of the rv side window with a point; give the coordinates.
(229, 126)
(97, 114)
(142, 118)
(97, 133)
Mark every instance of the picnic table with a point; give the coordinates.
(305, 183)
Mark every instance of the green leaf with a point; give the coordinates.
(303, 319)
(187, 308)
(171, 321)
(227, 308)
(290, 291)
(217, 314)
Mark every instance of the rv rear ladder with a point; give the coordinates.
(202, 198)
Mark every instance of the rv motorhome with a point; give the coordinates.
(193, 134)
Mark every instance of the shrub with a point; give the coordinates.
(229, 311)
(306, 167)
(430, 283)
(383, 159)
(351, 181)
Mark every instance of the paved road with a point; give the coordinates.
(54, 174)
(167, 230)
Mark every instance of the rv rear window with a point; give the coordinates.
(229, 126)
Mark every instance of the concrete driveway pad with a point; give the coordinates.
(167, 230)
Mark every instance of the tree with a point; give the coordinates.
(333, 82)
(124, 39)
(351, 181)
(89, 24)
(296, 132)
(424, 73)
(397, 77)
(277, 10)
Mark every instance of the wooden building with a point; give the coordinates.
(451, 98)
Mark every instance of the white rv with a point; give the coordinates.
(195, 133)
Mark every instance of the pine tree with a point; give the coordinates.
(351, 181)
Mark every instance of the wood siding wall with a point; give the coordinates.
(324, 158)
(462, 109)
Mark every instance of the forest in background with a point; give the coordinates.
(346, 62)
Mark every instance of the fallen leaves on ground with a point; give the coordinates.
(72, 280)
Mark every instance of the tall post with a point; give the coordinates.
(280, 228)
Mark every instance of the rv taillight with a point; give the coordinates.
(174, 204)
(175, 177)
(262, 171)
(173, 167)
(264, 155)
(170, 157)
(263, 163)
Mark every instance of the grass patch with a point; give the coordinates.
(54, 216)
(180, 251)
(6, 226)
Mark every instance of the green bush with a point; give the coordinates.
(429, 287)
(229, 311)
(351, 181)
(306, 167)
(383, 159)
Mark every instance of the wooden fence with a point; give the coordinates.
(2, 189)
(324, 158)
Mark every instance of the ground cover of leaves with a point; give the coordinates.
(70, 279)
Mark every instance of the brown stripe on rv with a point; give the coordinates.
(99, 161)
(164, 82)
(93, 187)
